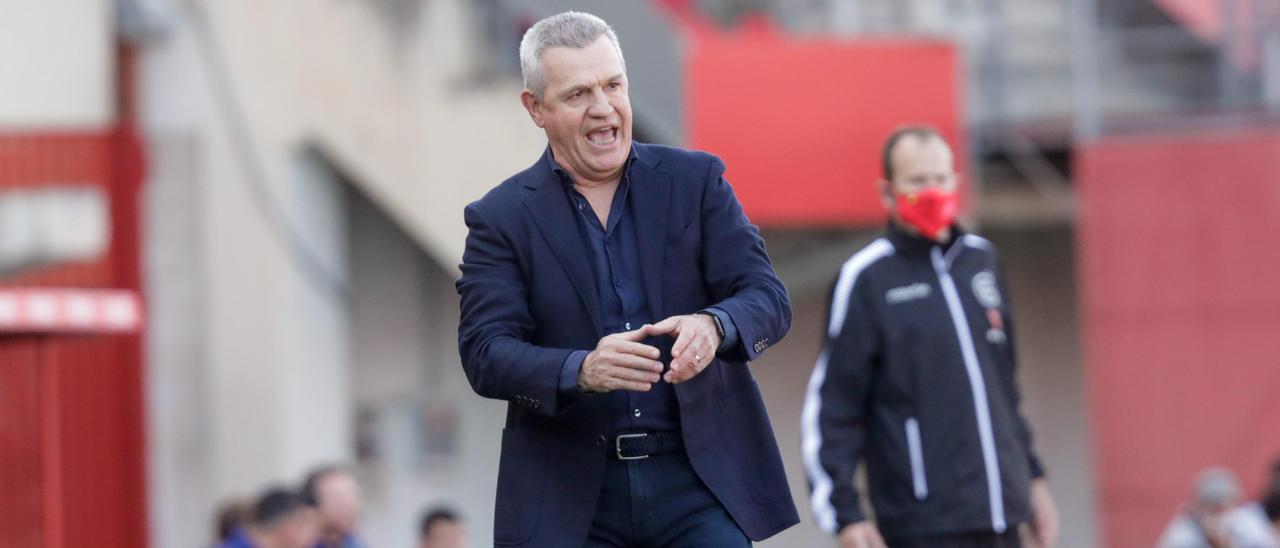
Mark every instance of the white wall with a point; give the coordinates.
(405, 369)
(57, 64)
(255, 370)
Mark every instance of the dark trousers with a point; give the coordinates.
(988, 539)
(660, 502)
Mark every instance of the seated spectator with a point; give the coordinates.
(441, 528)
(232, 516)
(1269, 502)
(279, 519)
(334, 491)
(1214, 518)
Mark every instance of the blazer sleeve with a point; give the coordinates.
(738, 271)
(496, 326)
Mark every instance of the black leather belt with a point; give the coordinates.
(643, 445)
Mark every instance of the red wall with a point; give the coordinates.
(1181, 312)
(800, 123)
(72, 415)
(70, 443)
(21, 449)
(72, 463)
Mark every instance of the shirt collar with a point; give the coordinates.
(564, 175)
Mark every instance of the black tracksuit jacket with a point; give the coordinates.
(916, 377)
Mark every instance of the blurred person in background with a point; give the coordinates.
(577, 274)
(1270, 500)
(1215, 519)
(280, 519)
(916, 377)
(336, 494)
(441, 528)
(232, 516)
(1259, 517)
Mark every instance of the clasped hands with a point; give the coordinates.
(621, 362)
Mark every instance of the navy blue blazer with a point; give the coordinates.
(528, 299)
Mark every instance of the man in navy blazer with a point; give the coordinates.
(613, 293)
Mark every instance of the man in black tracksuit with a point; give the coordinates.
(916, 377)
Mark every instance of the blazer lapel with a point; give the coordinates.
(552, 212)
(651, 195)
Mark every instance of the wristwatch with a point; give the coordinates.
(716, 319)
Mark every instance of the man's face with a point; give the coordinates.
(919, 163)
(340, 502)
(585, 110)
(300, 530)
(445, 534)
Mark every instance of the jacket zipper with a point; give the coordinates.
(986, 434)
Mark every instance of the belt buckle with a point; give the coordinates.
(618, 446)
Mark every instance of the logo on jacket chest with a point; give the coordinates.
(913, 292)
(986, 291)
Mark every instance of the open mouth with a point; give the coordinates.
(603, 137)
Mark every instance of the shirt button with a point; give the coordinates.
(581, 205)
(617, 285)
(636, 413)
(628, 326)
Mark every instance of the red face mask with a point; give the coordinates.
(929, 211)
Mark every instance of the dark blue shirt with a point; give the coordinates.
(348, 541)
(238, 539)
(614, 253)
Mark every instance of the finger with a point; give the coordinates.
(635, 335)
(675, 373)
(634, 386)
(1045, 535)
(635, 349)
(633, 374)
(704, 350)
(697, 355)
(664, 327)
(673, 376)
(875, 540)
(682, 343)
(631, 361)
(682, 374)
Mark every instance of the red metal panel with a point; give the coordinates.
(800, 123)
(95, 410)
(21, 469)
(90, 438)
(1180, 311)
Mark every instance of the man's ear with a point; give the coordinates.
(886, 194)
(533, 105)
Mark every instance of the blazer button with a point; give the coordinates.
(601, 440)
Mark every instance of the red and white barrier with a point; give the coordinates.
(39, 310)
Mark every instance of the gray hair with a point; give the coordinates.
(571, 29)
